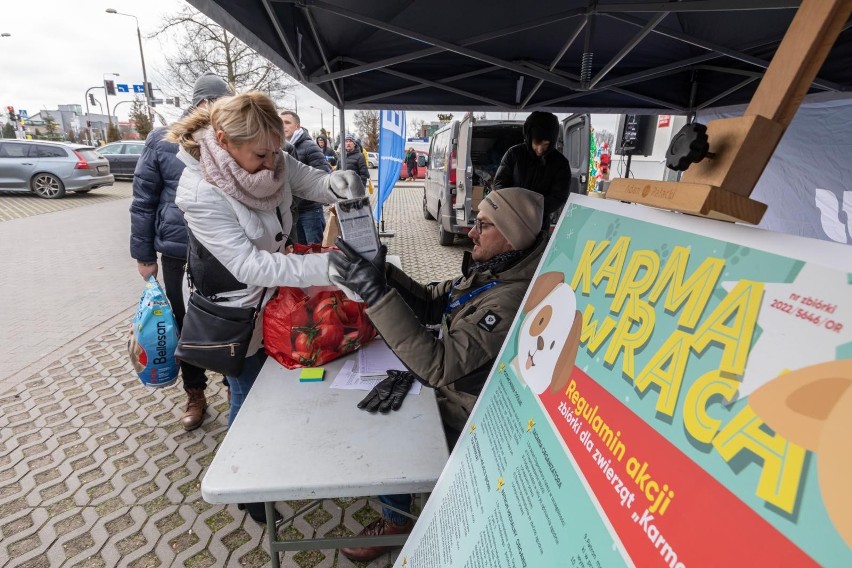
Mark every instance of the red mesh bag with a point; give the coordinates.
(312, 326)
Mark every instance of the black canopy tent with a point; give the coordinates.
(636, 56)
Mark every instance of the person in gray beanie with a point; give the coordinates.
(157, 226)
(209, 87)
(475, 312)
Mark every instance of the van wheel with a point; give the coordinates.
(445, 237)
(426, 214)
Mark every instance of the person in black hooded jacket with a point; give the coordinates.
(537, 165)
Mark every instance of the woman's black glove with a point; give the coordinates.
(364, 277)
(388, 394)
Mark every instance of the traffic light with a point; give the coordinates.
(11, 111)
(91, 99)
(110, 87)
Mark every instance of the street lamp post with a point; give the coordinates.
(322, 122)
(148, 94)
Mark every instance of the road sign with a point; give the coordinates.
(139, 89)
(23, 113)
(122, 88)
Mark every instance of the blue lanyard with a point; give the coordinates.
(461, 300)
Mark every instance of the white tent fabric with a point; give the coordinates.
(808, 182)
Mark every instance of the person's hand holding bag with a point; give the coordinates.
(346, 184)
(389, 393)
(352, 271)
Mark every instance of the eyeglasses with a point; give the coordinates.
(479, 223)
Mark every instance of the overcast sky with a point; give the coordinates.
(58, 49)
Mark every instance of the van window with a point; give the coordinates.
(438, 153)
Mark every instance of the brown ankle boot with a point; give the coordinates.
(196, 404)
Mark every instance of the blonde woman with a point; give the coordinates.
(235, 193)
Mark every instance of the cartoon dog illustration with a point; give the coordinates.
(812, 407)
(550, 334)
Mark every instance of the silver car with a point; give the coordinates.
(49, 169)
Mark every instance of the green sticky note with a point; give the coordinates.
(311, 374)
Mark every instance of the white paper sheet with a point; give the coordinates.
(349, 379)
(376, 358)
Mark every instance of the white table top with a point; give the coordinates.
(295, 440)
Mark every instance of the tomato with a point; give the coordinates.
(329, 310)
(317, 298)
(351, 342)
(303, 338)
(329, 335)
(352, 311)
(306, 358)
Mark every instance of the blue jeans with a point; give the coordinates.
(310, 226)
(241, 384)
(402, 502)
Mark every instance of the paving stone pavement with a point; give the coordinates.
(20, 204)
(96, 472)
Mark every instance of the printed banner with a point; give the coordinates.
(391, 151)
(671, 394)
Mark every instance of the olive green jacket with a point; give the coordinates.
(457, 363)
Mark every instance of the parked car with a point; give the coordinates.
(122, 156)
(49, 169)
(422, 160)
(372, 159)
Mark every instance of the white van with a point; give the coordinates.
(464, 155)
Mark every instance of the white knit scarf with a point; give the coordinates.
(262, 190)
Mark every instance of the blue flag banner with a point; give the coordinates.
(391, 151)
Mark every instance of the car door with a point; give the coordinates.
(127, 159)
(112, 152)
(574, 140)
(18, 163)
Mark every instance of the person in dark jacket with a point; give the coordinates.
(157, 226)
(537, 165)
(355, 158)
(475, 311)
(330, 154)
(310, 222)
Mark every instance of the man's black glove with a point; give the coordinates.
(366, 278)
(388, 394)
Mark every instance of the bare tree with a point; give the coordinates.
(203, 45)
(367, 123)
(416, 126)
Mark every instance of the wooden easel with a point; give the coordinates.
(719, 187)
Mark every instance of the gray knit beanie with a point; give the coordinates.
(209, 87)
(517, 213)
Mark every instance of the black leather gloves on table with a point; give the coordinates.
(364, 277)
(388, 394)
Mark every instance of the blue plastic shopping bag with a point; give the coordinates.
(154, 338)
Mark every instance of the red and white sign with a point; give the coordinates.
(664, 120)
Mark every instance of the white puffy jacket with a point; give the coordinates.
(243, 239)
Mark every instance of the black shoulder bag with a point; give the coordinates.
(213, 336)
